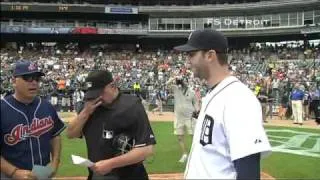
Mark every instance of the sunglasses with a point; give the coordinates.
(30, 77)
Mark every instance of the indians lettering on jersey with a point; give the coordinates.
(37, 128)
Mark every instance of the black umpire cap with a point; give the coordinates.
(95, 83)
(205, 40)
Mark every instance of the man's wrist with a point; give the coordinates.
(84, 115)
(56, 161)
(112, 163)
(13, 172)
(54, 164)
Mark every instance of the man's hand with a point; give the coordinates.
(102, 167)
(90, 106)
(75, 126)
(54, 165)
(23, 174)
(171, 79)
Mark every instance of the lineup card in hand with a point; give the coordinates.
(77, 160)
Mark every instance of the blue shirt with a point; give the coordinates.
(297, 94)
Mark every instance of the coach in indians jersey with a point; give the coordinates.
(30, 127)
(229, 138)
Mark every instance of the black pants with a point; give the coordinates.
(138, 173)
(114, 177)
(98, 177)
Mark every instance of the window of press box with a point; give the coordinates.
(275, 22)
(293, 19)
(284, 19)
(308, 18)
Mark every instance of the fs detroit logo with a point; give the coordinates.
(296, 143)
(37, 128)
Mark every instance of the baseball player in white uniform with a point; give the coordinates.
(229, 138)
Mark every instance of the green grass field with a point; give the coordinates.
(167, 154)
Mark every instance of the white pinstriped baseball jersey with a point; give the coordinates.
(229, 127)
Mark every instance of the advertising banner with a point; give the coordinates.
(121, 10)
(123, 31)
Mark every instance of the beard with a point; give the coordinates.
(200, 73)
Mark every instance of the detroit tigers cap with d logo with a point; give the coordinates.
(95, 83)
(26, 67)
(205, 40)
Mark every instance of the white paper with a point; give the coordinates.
(81, 161)
(42, 172)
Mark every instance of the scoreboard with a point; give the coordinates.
(50, 8)
(26, 7)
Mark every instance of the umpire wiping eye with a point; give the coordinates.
(116, 128)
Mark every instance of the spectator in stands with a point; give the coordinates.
(54, 99)
(275, 87)
(263, 98)
(270, 102)
(151, 69)
(78, 96)
(296, 101)
(306, 103)
(158, 103)
(257, 89)
(284, 103)
(61, 85)
(315, 102)
(137, 88)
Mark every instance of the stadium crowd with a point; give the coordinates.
(272, 72)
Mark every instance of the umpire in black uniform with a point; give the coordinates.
(116, 129)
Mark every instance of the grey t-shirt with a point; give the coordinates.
(184, 101)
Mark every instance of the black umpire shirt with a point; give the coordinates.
(125, 116)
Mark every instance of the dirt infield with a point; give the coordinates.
(169, 116)
(264, 176)
(172, 176)
(165, 117)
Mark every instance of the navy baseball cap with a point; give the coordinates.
(205, 40)
(95, 83)
(26, 67)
